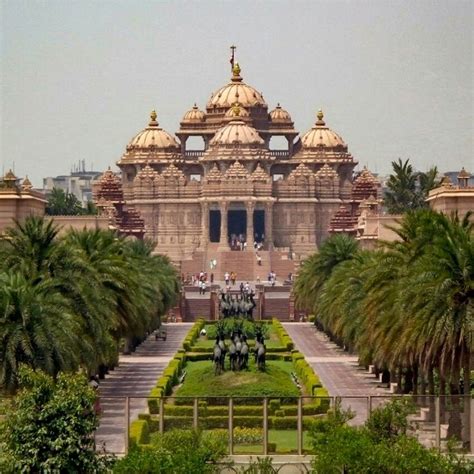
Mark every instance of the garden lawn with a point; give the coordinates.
(274, 382)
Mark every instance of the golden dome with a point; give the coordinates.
(279, 115)
(153, 138)
(237, 132)
(194, 115)
(321, 136)
(236, 91)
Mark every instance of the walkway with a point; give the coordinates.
(135, 376)
(339, 371)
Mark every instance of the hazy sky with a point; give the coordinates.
(395, 78)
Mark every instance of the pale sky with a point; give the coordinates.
(79, 78)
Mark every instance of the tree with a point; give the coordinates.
(66, 302)
(62, 203)
(382, 445)
(407, 189)
(316, 269)
(51, 424)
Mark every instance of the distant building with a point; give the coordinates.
(18, 201)
(449, 197)
(79, 183)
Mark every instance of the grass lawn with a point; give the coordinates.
(274, 382)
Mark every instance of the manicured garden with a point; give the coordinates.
(191, 395)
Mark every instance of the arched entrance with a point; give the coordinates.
(236, 225)
(214, 226)
(259, 224)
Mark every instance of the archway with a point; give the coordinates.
(259, 224)
(214, 226)
(236, 225)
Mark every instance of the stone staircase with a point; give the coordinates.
(281, 265)
(197, 306)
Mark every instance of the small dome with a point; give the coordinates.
(236, 91)
(153, 138)
(195, 115)
(279, 115)
(321, 136)
(237, 132)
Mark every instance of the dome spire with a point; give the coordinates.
(153, 116)
(320, 116)
(236, 77)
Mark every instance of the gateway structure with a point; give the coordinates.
(192, 203)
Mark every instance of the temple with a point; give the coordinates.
(192, 203)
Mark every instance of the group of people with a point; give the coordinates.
(200, 280)
(238, 242)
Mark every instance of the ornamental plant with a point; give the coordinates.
(50, 426)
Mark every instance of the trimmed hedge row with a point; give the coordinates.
(240, 410)
(193, 334)
(139, 432)
(282, 334)
(213, 422)
(170, 377)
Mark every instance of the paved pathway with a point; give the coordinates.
(135, 376)
(339, 371)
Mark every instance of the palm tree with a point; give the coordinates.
(37, 327)
(315, 270)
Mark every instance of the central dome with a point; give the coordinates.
(236, 91)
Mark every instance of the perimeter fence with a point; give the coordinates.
(267, 426)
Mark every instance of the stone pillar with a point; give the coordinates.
(290, 144)
(223, 241)
(204, 224)
(269, 225)
(250, 205)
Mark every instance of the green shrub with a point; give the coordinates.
(153, 402)
(198, 356)
(177, 452)
(280, 413)
(273, 405)
(139, 432)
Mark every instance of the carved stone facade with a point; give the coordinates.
(189, 199)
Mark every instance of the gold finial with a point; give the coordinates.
(236, 109)
(153, 117)
(320, 117)
(236, 70)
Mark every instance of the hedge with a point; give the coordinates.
(139, 432)
(282, 334)
(193, 334)
(286, 422)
